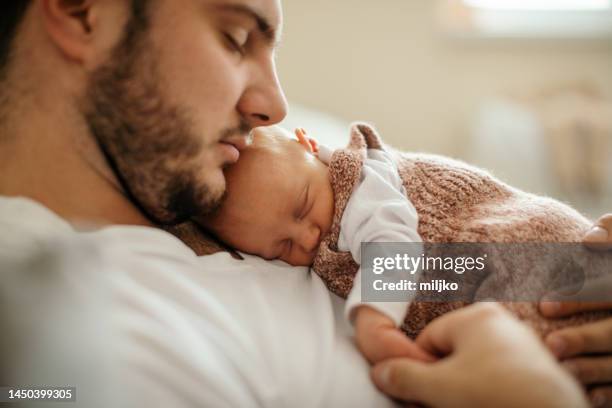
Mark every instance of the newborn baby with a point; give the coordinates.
(295, 201)
(280, 205)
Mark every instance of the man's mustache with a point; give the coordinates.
(242, 130)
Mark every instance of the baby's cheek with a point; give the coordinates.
(300, 259)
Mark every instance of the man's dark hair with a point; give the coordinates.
(11, 14)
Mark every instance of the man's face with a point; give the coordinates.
(180, 94)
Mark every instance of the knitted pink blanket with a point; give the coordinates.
(455, 202)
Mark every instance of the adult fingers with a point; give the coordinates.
(605, 221)
(591, 370)
(588, 338)
(407, 379)
(441, 336)
(601, 397)
(567, 308)
(600, 236)
(596, 294)
(398, 344)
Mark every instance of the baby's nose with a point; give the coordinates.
(310, 238)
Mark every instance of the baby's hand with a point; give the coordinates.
(309, 143)
(378, 338)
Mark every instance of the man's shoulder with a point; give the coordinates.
(20, 213)
(22, 217)
(196, 238)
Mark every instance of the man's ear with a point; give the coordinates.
(70, 24)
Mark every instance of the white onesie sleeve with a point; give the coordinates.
(377, 211)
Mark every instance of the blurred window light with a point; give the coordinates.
(540, 4)
(526, 19)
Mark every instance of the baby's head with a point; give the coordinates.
(279, 202)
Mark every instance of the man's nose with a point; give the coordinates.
(309, 238)
(263, 102)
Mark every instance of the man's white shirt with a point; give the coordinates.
(159, 326)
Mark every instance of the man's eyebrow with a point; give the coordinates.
(263, 24)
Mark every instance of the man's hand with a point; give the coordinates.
(600, 236)
(576, 345)
(597, 290)
(378, 338)
(488, 359)
(586, 350)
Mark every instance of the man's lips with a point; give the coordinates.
(232, 145)
(231, 152)
(239, 142)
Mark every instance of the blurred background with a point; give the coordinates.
(520, 87)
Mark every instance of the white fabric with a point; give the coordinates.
(377, 211)
(187, 331)
(325, 153)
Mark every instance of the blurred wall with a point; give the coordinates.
(385, 61)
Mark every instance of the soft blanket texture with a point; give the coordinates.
(455, 202)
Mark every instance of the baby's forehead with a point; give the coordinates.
(270, 151)
(268, 160)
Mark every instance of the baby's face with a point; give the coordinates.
(279, 202)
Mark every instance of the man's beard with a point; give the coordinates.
(148, 143)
